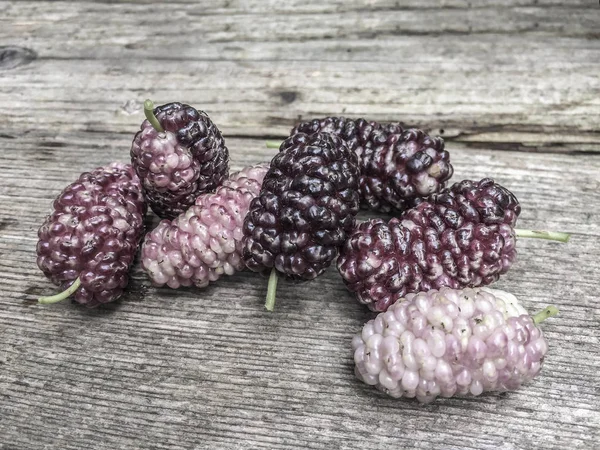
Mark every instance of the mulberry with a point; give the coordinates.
(89, 241)
(205, 242)
(451, 342)
(461, 237)
(396, 165)
(178, 154)
(306, 207)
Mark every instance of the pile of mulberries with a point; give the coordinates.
(451, 342)
(178, 154)
(397, 166)
(460, 237)
(90, 240)
(439, 332)
(205, 242)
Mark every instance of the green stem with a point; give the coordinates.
(548, 235)
(273, 144)
(271, 290)
(149, 112)
(61, 295)
(549, 311)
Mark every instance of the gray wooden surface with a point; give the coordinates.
(513, 87)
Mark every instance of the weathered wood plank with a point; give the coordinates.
(210, 368)
(259, 105)
(517, 85)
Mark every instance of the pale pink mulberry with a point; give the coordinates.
(205, 242)
(450, 343)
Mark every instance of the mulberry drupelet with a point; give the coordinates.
(461, 237)
(90, 240)
(205, 242)
(451, 342)
(306, 208)
(396, 165)
(178, 154)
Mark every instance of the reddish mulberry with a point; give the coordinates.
(88, 243)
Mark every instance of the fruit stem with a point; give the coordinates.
(61, 295)
(548, 235)
(149, 112)
(271, 290)
(273, 144)
(548, 311)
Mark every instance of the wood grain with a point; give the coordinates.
(511, 74)
(210, 369)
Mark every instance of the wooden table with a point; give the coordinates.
(512, 85)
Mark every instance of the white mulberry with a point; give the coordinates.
(451, 342)
(205, 241)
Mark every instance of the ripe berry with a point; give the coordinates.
(463, 236)
(305, 209)
(178, 154)
(396, 166)
(88, 243)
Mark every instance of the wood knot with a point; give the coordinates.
(288, 96)
(7, 222)
(12, 57)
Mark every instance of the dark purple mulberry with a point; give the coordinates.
(460, 237)
(396, 165)
(451, 342)
(178, 156)
(348, 129)
(89, 242)
(305, 209)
